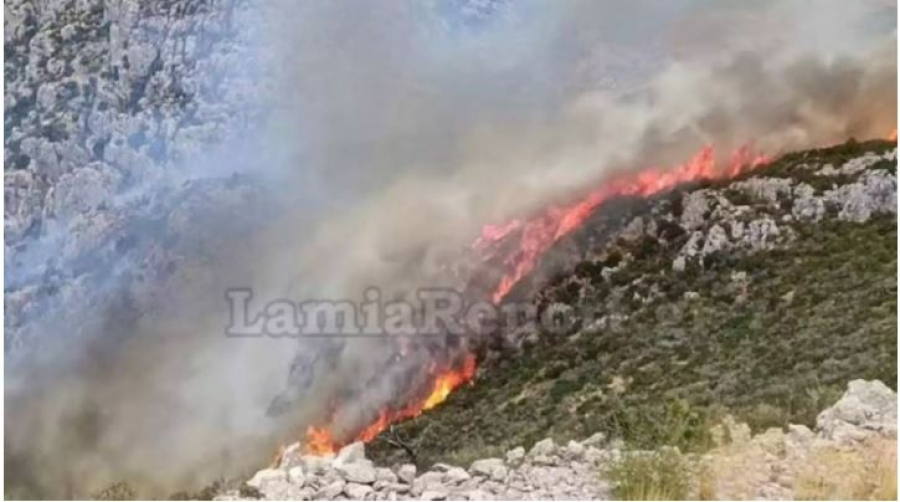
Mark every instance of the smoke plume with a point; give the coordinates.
(395, 132)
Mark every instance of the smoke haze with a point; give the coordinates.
(395, 132)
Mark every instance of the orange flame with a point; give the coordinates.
(535, 236)
(320, 441)
(538, 233)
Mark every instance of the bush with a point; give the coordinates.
(665, 475)
(671, 423)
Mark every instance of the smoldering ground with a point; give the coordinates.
(397, 130)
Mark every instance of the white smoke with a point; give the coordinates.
(398, 130)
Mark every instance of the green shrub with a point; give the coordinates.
(665, 475)
(672, 423)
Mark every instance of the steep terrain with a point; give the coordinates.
(718, 311)
(115, 116)
(107, 105)
(762, 297)
(851, 453)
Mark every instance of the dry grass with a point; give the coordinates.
(706, 484)
(665, 475)
(867, 473)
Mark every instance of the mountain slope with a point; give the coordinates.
(696, 318)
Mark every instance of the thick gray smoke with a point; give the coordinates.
(397, 130)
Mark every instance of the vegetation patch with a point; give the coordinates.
(860, 474)
(770, 337)
(663, 475)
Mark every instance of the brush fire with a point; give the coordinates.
(515, 249)
(477, 149)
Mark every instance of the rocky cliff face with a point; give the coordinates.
(107, 105)
(123, 186)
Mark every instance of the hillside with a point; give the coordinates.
(735, 320)
(769, 323)
(161, 155)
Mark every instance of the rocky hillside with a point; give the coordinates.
(723, 310)
(761, 297)
(758, 298)
(106, 104)
(859, 431)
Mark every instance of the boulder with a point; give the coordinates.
(295, 476)
(543, 448)
(407, 473)
(385, 475)
(456, 476)
(266, 476)
(515, 456)
(485, 467)
(716, 240)
(866, 407)
(351, 453)
(428, 480)
(574, 450)
(290, 457)
(762, 234)
(434, 495)
(357, 491)
(477, 494)
(331, 490)
(360, 471)
(313, 464)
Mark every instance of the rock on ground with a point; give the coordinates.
(770, 465)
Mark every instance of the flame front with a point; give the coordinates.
(320, 441)
(540, 232)
(534, 236)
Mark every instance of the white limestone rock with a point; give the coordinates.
(866, 406)
(407, 473)
(361, 471)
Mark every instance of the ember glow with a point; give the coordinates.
(320, 441)
(893, 135)
(536, 234)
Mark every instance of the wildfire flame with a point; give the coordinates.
(535, 235)
(320, 441)
(544, 229)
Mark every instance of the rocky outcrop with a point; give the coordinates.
(866, 408)
(693, 228)
(546, 472)
(107, 104)
(758, 212)
(850, 439)
(766, 466)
